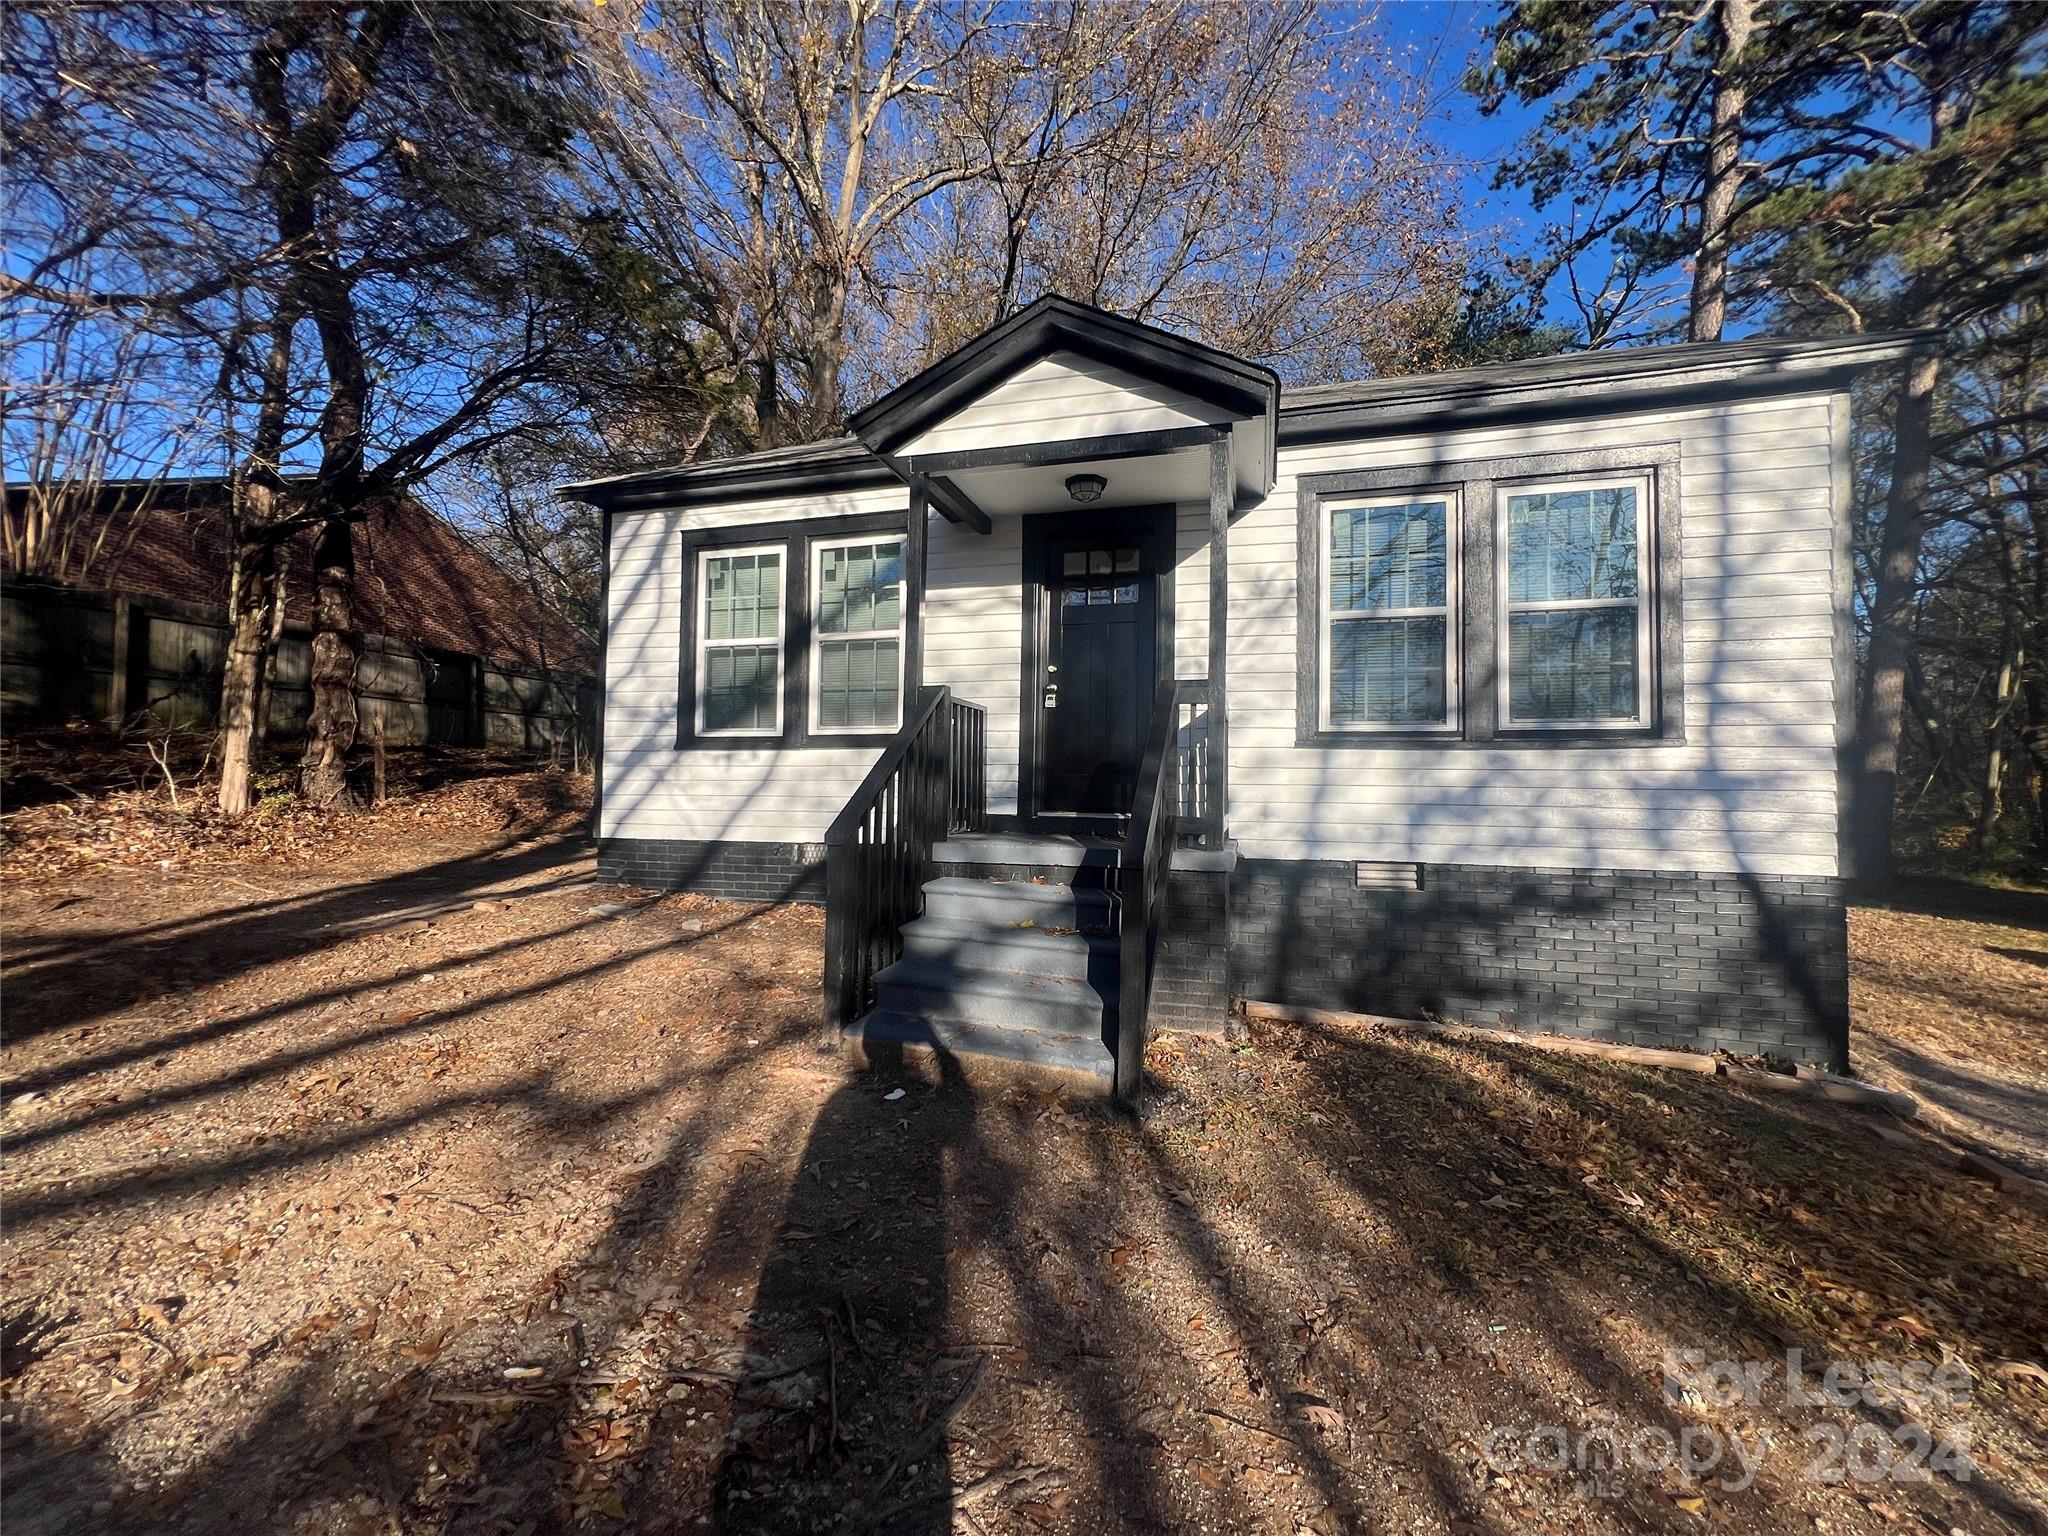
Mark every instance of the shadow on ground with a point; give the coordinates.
(596, 1238)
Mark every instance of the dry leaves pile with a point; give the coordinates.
(125, 815)
(462, 1195)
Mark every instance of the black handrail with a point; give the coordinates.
(1147, 860)
(932, 779)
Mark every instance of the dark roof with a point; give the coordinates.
(1056, 324)
(1761, 362)
(418, 580)
(1538, 385)
(841, 460)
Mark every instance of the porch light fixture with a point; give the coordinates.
(1086, 487)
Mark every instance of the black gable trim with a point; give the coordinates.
(1055, 324)
(700, 485)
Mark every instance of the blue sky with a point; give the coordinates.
(1440, 37)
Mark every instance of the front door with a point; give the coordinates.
(1099, 665)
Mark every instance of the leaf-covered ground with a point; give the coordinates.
(419, 1184)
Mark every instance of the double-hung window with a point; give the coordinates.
(1575, 632)
(739, 641)
(857, 635)
(1389, 606)
(1513, 599)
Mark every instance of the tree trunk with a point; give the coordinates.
(242, 676)
(273, 638)
(337, 648)
(1891, 626)
(824, 356)
(767, 404)
(1709, 309)
(2010, 660)
(2033, 735)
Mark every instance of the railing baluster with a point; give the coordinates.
(929, 781)
(1146, 865)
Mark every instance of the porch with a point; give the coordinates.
(1072, 479)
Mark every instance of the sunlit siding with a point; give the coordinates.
(974, 634)
(1753, 787)
(651, 790)
(1059, 398)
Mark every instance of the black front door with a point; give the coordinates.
(1101, 598)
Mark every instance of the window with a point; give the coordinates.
(1530, 598)
(1388, 600)
(1574, 641)
(1095, 577)
(797, 633)
(739, 642)
(857, 626)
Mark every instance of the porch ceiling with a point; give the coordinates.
(1178, 475)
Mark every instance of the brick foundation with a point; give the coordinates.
(1746, 963)
(764, 872)
(1191, 976)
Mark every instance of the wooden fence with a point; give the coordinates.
(76, 654)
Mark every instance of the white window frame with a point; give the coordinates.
(1450, 611)
(901, 633)
(700, 620)
(1644, 603)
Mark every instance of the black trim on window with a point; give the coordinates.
(796, 539)
(1475, 482)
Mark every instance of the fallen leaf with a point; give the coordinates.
(1314, 1410)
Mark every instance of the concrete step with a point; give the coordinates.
(937, 989)
(1036, 852)
(1017, 904)
(1086, 1058)
(980, 946)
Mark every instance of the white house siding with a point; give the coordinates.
(974, 635)
(757, 794)
(1752, 789)
(1059, 398)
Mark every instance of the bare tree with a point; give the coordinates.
(355, 218)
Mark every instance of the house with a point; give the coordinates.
(1096, 680)
(125, 617)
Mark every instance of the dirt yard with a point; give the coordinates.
(404, 1180)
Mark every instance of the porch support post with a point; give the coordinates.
(915, 534)
(1222, 492)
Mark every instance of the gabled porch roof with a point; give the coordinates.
(1062, 388)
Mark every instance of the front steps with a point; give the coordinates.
(1014, 959)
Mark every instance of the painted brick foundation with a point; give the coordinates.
(1738, 962)
(1191, 974)
(735, 871)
